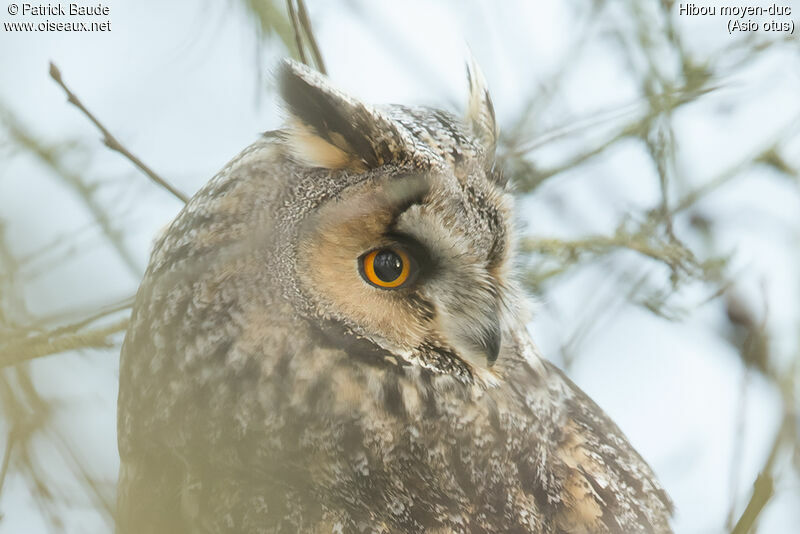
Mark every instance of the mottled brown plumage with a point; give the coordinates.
(266, 386)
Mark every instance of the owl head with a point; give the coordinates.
(405, 246)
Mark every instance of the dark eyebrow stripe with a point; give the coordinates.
(404, 191)
(413, 200)
(419, 251)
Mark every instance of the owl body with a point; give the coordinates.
(270, 382)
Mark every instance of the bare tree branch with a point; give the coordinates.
(110, 141)
(763, 489)
(50, 157)
(301, 24)
(306, 22)
(47, 343)
(643, 240)
(298, 37)
(734, 170)
(10, 441)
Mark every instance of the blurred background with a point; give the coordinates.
(655, 158)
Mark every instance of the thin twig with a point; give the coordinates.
(636, 128)
(306, 22)
(46, 344)
(297, 35)
(11, 440)
(603, 117)
(95, 315)
(85, 191)
(738, 447)
(763, 489)
(110, 141)
(675, 256)
(102, 499)
(23, 334)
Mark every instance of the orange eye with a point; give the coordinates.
(386, 268)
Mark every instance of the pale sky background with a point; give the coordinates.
(186, 85)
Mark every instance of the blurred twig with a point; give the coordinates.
(271, 20)
(764, 487)
(301, 24)
(312, 41)
(301, 50)
(10, 441)
(636, 128)
(110, 141)
(50, 157)
(643, 239)
(102, 499)
(49, 343)
(761, 155)
(673, 98)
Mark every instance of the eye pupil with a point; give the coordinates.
(386, 268)
(388, 265)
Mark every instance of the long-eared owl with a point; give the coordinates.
(329, 338)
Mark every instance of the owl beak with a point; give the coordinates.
(490, 340)
(475, 334)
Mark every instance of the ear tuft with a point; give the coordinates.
(480, 111)
(327, 128)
